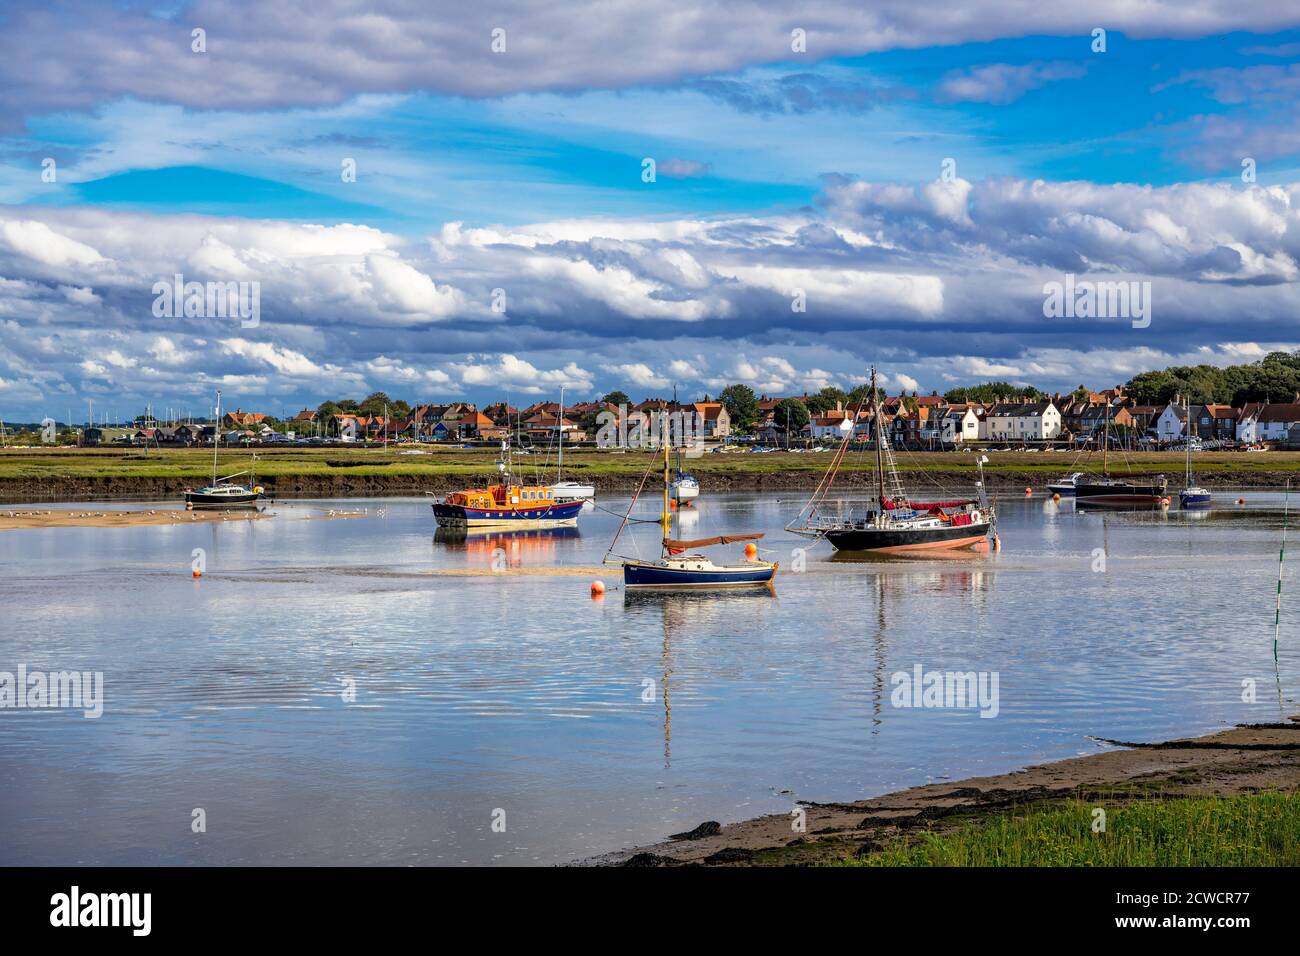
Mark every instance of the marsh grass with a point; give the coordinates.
(1261, 829)
(24, 463)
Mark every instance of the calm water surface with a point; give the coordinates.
(593, 724)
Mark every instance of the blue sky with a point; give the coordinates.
(524, 172)
(1130, 114)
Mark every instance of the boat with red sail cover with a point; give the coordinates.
(893, 521)
(677, 566)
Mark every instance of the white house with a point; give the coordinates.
(963, 423)
(829, 426)
(1023, 421)
(959, 423)
(1170, 423)
(1267, 422)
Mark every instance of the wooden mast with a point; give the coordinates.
(216, 439)
(1105, 443)
(665, 518)
(880, 440)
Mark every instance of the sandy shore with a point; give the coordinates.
(12, 519)
(1245, 759)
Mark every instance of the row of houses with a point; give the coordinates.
(928, 421)
(909, 421)
(540, 422)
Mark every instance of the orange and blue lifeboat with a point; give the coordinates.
(505, 506)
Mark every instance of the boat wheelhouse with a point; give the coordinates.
(1065, 486)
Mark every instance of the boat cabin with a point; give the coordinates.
(502, 496)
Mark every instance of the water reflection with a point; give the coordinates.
(471, 686)
(533, 547)
(681, 614)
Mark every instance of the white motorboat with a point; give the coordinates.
(1064, 486)
(572, 491)
(567, 490)
(684, 488)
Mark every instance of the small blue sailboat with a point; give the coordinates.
(1192, 496)
(678, 568)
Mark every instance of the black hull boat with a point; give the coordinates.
(222, 492)
(235, 496)
(864, 536)
(894, 522)
(1116, 493)
(1107, 492)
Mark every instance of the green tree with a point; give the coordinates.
(862, 394)
(616, 398)
(374, 404)
(741, 405)
(990, 392)
(825, 400)
(790, 415)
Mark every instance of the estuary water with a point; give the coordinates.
(357, 690)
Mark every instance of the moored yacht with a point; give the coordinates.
(223, 492)
(567, 490)
(676, 568)
(1065, 486)
(684, 488)
(894, 522)
(1106, 491)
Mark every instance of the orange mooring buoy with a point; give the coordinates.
(751, 551)
(597, 589)
(197, 573)
(1028, 492)
(1056, 496)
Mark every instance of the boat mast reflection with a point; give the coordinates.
(681, 614)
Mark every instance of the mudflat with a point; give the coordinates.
(14, 519)
(1250, 758)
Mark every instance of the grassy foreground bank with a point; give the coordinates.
(50, 473)
(1227, 799)
(1250, 830)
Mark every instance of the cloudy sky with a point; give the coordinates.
(441, 203)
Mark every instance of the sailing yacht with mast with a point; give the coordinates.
(224, 493)
(685, 487)
(676, 568)
(567, 490)
(895, 522)
(1192, 496)
(1118, 492)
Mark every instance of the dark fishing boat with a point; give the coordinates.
(678, 568)
(892, 521)
(223, 492)
(1108, 492)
